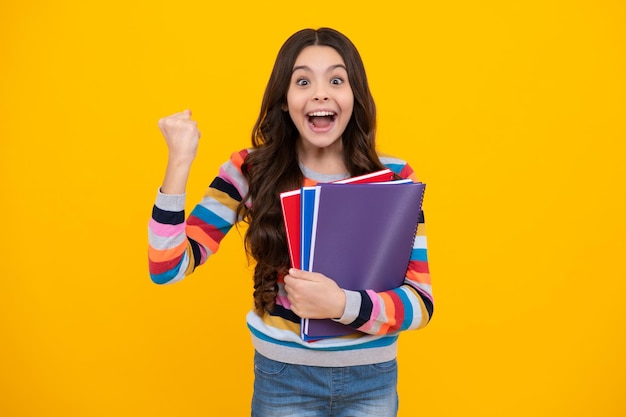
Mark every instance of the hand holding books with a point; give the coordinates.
(359, 235)
(313, 295)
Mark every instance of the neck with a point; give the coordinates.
(327, 161)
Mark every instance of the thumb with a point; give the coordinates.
(305, 275)
(297, 273)
(185, 114)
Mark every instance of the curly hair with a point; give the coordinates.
(273, 165)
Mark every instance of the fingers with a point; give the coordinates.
(181, 135)
(312, 295)
(172, 119)
(292, 283)
(178, 122)
(185, 114)
(298, 279)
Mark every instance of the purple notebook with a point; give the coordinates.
(362, 237)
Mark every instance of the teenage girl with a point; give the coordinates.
(316, 124)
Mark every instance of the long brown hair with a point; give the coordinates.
(273, 165)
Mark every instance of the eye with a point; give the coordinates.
(302, 82)
(336, 80)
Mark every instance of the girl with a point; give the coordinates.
(317, 124)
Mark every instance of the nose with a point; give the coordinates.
(320, 95)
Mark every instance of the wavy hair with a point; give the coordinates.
(273, 165)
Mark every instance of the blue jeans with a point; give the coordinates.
(286, 390)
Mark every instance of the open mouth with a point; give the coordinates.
(321, 119)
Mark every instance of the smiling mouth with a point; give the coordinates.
(321, 119)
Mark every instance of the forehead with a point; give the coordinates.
(318, 57)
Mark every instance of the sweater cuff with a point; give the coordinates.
(170, 202)
(353, 306)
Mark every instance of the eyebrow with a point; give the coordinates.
(331, 68)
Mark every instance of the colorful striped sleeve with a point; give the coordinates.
(409, 306)
(176, 246)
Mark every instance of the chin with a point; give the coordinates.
(321, 143)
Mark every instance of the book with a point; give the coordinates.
(362, 237)
(308, 196)
(308, 203)
(290, 205)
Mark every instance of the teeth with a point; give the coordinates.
(321, 113)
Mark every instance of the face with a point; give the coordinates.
(319, 98)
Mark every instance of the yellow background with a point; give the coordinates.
(514, 114)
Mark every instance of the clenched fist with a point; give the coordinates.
(181, 135)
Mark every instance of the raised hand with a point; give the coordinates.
(182, 136)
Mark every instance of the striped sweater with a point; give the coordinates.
(178, 245)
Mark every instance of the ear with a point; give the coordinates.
(284, 107)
